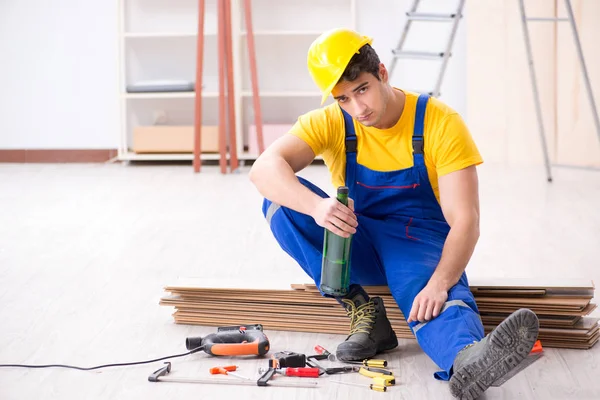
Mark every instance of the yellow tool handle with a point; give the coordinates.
(384, 380)
(373, 374)
(378, 388)
(375, 363)
(368, 373)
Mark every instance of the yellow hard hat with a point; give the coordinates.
(329, 55)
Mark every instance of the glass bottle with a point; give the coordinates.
(335, 267)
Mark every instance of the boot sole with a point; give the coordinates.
(507, 346)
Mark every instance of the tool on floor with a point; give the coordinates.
(335, 266)
(369, 363)
(322, 351)
(384, 380)
(376, 388)
(232, 341)
(160, 375)
(228, 341)
(309, 372)
(193, 344)
(311, 361)
(381, 376)
(285, 359)
(415, 16)
(537, 347)
(227, 370)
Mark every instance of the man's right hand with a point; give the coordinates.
(336, 217)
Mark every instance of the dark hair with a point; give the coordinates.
(366, 60)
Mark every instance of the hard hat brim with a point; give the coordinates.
(327, 92)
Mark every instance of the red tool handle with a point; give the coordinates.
(222, 370)
(304, 372)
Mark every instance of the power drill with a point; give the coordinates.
(238, 340)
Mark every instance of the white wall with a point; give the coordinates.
(58, 74)
(501, 103)
(58, 77)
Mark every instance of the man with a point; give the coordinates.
(410, 165)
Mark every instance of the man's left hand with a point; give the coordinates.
(428, 303)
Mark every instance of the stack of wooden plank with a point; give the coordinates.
(563, 308)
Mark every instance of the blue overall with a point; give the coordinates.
(399, 241)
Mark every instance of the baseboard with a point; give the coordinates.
(57, 156)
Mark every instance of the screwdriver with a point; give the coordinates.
(374, 387)
(307, 372)
(370, 363)
(227, 371)
(303, 372)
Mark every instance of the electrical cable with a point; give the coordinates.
(100, 366)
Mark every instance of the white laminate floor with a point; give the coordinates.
(85, 251)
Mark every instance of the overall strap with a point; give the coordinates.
(417, 139)
(350, 145)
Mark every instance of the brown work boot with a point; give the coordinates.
(370, 330)
(479, 365)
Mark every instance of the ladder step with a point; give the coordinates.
(547, 19)
(418, 16)
(418, 54)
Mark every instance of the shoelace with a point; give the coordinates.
(362, 317)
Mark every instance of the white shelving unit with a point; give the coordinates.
(157, 41)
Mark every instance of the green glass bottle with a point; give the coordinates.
(335, 268)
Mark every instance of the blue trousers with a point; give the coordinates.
(384, 252)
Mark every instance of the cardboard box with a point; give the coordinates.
(173, 139)
(271, 132)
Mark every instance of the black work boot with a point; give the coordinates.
(479, 365)
(370, 330)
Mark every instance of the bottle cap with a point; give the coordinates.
(343, 190)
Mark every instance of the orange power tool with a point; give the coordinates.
(240, 340)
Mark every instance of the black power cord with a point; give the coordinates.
(100, 366)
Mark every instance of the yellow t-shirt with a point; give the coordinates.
(448, 145)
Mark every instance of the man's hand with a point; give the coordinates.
(428, 303)
(333, 215)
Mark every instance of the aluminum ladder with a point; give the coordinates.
(536, 94)
(413, 16)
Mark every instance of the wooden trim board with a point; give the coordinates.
(57, 156)
(262, 309)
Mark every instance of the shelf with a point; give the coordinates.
(186, 95)
(163, 34)
(283, 33)
(290, 93)
(131, 156)
(194, 34)
(157, 41)
(168, 95)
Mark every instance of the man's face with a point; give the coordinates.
(364, 98)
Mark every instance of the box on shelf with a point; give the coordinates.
(271, 132)
(173, 139)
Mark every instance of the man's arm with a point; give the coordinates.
(274, 175)
(459, 198)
